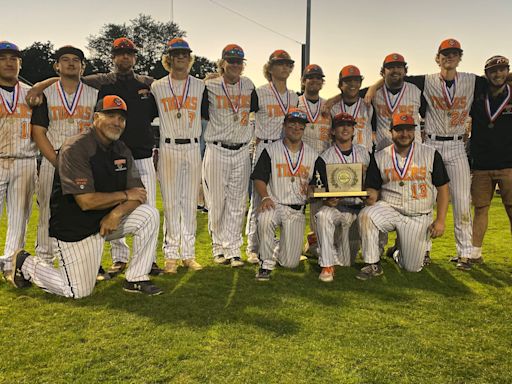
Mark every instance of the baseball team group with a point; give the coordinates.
(423, 142)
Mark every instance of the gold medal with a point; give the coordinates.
(491, 125)
(312, 126)
(401, 183)
(292, 179)
(70, 120)
(178, 115)
(235, 118)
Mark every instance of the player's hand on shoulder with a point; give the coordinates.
(137, 194)
(266, 204)
(34, 97)
(436, 229)
(370, 94)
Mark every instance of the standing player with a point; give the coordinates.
(17, 152)
(67, 109)
(179, 98)
(281, 177)
(97, 195)
(274, 101)
(491, 149)
(403, 177)
(227, 164)
(349, 83)
(316, 134)
(337, 212)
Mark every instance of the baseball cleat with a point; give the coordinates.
(171, 266)
(146, 287)
(236, 262)
(369, 271)
(102, 275)
(327, 274)
(463, 264)
(116, 268)
(252, 258)
(391, 251)
(15, 276)
(156, 270)
(220, 259)
(427, 260)
(263, 274)
(192, 264)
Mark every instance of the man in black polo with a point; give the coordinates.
(491, 148)
(97, 195)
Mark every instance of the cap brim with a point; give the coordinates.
(389, 63)
(403, 126)
(171, 50)
(279, 60)
(17, 53)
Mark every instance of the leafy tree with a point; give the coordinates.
(150, 37)
(37, 62)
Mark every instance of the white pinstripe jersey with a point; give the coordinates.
(280, 186)
(188, 126)
(408, 102)
(440, 118)
(317, 133)
(15, 138)
(363, 128)
(222, 126)
(61, 127)
(417, 194)
(270, 117)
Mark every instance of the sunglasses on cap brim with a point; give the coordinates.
(297, 116)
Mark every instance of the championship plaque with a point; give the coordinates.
(343, 180)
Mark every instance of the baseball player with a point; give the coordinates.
(403, 177)
(138, 135)
(67, 109)
(274, 101)
(17, 152)
(281, 177)
(179, 98)
(338, 212)
(97, 195)
(316, 134)
(349, 83)
(227, 164)
(491, 148)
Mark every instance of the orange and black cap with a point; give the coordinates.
(449, 44)
(233, 51)
(402, 121)
(280, 56)
(343, 118)
(295, 114)
(123, 44)
(312, 70)
(111, 103)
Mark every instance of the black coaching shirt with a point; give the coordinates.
(85, 165)
(142, 109)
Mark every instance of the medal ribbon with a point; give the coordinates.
(446, 94)
(393, 106)
(493, 117)
(184, 95)
(76, 98)
(342, 157)
(402, 171)
(284, 107)
(356, 109)
(312, 117)
(234, 107)
(11, 108)
(291, 167)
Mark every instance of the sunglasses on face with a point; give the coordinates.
(235, 61)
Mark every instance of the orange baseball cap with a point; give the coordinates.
(449, 44)
(343, 118)
(233, 51)
(350, 71)
(402, 120)
(280, 55)
(111, 103)
(312, 70)
(123, 44)
(394, 58)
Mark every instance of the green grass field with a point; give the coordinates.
(219, 325)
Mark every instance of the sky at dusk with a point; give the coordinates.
(360, 32)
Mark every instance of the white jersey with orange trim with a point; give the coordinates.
(229, 110)
(448, 107)
(178, 119)
(284, 186)
(272, 110)
(386, 104)
(363, 114)
(15, 114)
(64, 124)
(414, 194)
(318, 131)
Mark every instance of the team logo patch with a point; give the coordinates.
(452, 43)
(351, 70)
(81, 182)
(120, 165)
(395, 57)
(403, 118)
(118, 102)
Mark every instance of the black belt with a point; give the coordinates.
(232, 147)
(445, 138)
(268, 141)
(181, 141)
(296, 206)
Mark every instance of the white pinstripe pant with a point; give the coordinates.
(79, 261)
(44, 191)
(119, 249)
(179, 172)
(412, 231)
(288, 249)
(225, 182)
(456, 162)
(17, 184)
(333, 226)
